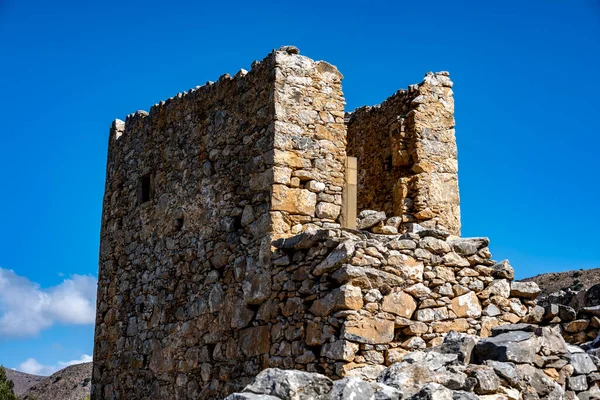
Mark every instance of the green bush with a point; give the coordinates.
(6, 387)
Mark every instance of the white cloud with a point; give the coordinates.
(26, 309)
(83, 359)
(32, 366)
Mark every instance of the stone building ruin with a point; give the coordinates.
(230, 241)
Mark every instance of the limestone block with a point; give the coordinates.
(458, 325)
(369, 218)
(255, 340)
(499, 287)
(340, 350)
(467, 305)
(317, 334)
(366, 329)
(434, 245)
(399, 303)
(452, 259)
(282, 175)
(527, 290)
(411, 269)
(366, 277)
(257, 289)
(294, 201)
(315, 186)
(384, 230)
(289, 159)
(261, 181)
(336, 258)
(418, 290)
(576, 326)
(395, 355)
(445, 273)
(328, 210)
(416, 328)
(347, 297)
(414, 343)
(432, 314)
(503, 269)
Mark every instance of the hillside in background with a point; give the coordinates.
(575, 280)
(71, 383)
(22, 380)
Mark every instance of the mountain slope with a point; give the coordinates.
(576, 280)
(71, 383)
(22, 380)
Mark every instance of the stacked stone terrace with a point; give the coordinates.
(225, 246)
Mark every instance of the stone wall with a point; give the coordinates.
(309, 146)
(374, 297)
(407, 157)
(201, 283)
(576, 314)
(195, 189)
(519, 361)
(185, 221)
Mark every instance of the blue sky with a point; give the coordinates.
(526, 91)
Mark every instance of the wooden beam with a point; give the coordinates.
(350, 193)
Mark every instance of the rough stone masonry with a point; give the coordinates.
(223, 245)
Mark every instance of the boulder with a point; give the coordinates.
(290, 384)
(504, 370)
(526, 290)
(351, 388)
(566, 313)
(582, 363)
(433, 391)
(538, 380)
(487, 381)
(460, 344)
(515, 346)
(504, 270)
(366, 329)
(467, 305)
(369, 218)
(419, 368)
(399, 303)
(336, 258)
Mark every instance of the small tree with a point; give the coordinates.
(6, 387)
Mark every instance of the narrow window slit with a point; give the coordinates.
(179, 223)
(145, 189)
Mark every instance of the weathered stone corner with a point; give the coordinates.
(223, 248)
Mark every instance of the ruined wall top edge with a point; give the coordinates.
(268, 63)
(441, 78)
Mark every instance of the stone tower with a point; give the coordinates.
(193, 298)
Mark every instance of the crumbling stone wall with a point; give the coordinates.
(407, 158)
(575, 314)
(195, 189)
(309, 146)
(195, 298)
(375, 297)
(185, 217)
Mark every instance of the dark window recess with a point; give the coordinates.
(237, 223)
(179, 223)
(145, 189)
(387, 166)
